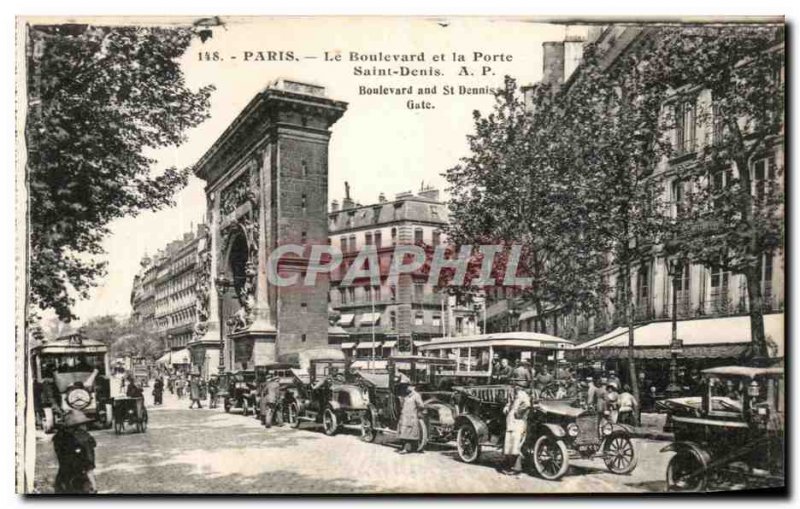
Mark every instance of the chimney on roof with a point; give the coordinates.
(335, 206)
(382, 198)
(553, 62)
(430, 193)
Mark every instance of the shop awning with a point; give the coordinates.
(164, 359)
(389, 344)
(369, 319)
(346, 319)
(368, 345)
(513, 339)
(347, 346)
(704, 337)
(180, 356)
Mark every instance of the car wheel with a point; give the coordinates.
(423, 435)
(368, 433)
(469, 447)
(619, 454)
(329, 422)
(293, 415)
(49, 422)
(550, 457)
(685, 472)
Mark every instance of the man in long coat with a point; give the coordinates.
(409, 427)
(75, 453)
(158, 391)
(269, 402)
(516, 427)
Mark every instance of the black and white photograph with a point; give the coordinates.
(400, 255)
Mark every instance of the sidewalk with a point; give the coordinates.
(652, 427)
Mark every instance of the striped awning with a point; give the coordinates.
(346, 319)
(368, 345)
(369, 319)
(347, 346)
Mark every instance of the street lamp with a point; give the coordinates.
(675, 271)
(222, 284)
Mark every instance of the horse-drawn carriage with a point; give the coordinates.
(131, 411)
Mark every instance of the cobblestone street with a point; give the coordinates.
(209, 451)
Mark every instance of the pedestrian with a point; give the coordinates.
(613, 378)
(409, 426)
(194, 392)
(544, 379)
(74, 448)
(170, 384)
(628, 407)
(212, 392)
(612, 402)
(269, 402)
(179, 387)
(516, 412)
(158, 391)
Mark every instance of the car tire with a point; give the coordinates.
(550, 457)
(423, 435)
(293, 415)
(368, 433)
(329, 422)
(619, 454)
(468, 443)
(680, 470)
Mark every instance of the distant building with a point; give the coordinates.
(402, 316)
(163, 295)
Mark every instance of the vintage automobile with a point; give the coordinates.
(324, 391)
(131, 411)
(733, 434)
(71, 372)
(430, 376)
(241, 392)
(558, 431)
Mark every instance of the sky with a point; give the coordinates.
(379, 145)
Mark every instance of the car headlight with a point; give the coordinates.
(607, 428)
(572, 429)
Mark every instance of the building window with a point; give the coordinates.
(368, 239)
(344, 244)
(459, 325)
(719, 290)
(303, 202)
(685, 127)
(394, 236)
(718, 127)
(418, 236)
(351, 294)
(377, 293)
(303, 169)
(767, 282)
(303, 237)
(392, 320)
(302, 338)
(437, 237)
(378, 239)
(763, 170)
(419, 318)
(678, 196)
(303, 307)
(682, 295)
(342, 296)
(719, 180)
(437, 321)
(643, 300)
(353, 243)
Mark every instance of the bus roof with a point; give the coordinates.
(71, 345)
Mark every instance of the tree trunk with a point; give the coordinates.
(634, 382)
(755, 300)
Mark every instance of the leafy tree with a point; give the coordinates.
(124, 336)
(513, 189)
(99, 98)
(733, 212)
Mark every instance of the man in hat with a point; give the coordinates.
(516, 426)
(612, 402)
(523, 372)
(194, 391)
(213, 390)
(74, 448)
(158, 391)
(269, 401)
(505, 372)
(408, 427)
(613, 378)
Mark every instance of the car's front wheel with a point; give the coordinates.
(290, 415)
(468, 443)
(550, 457)
(329, 422)
(619, 454)
(368, 433)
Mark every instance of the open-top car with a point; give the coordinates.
(324, 391)
(286, 379)
(731, 435)
(241, 393)
(430, 376)
(558, 430)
